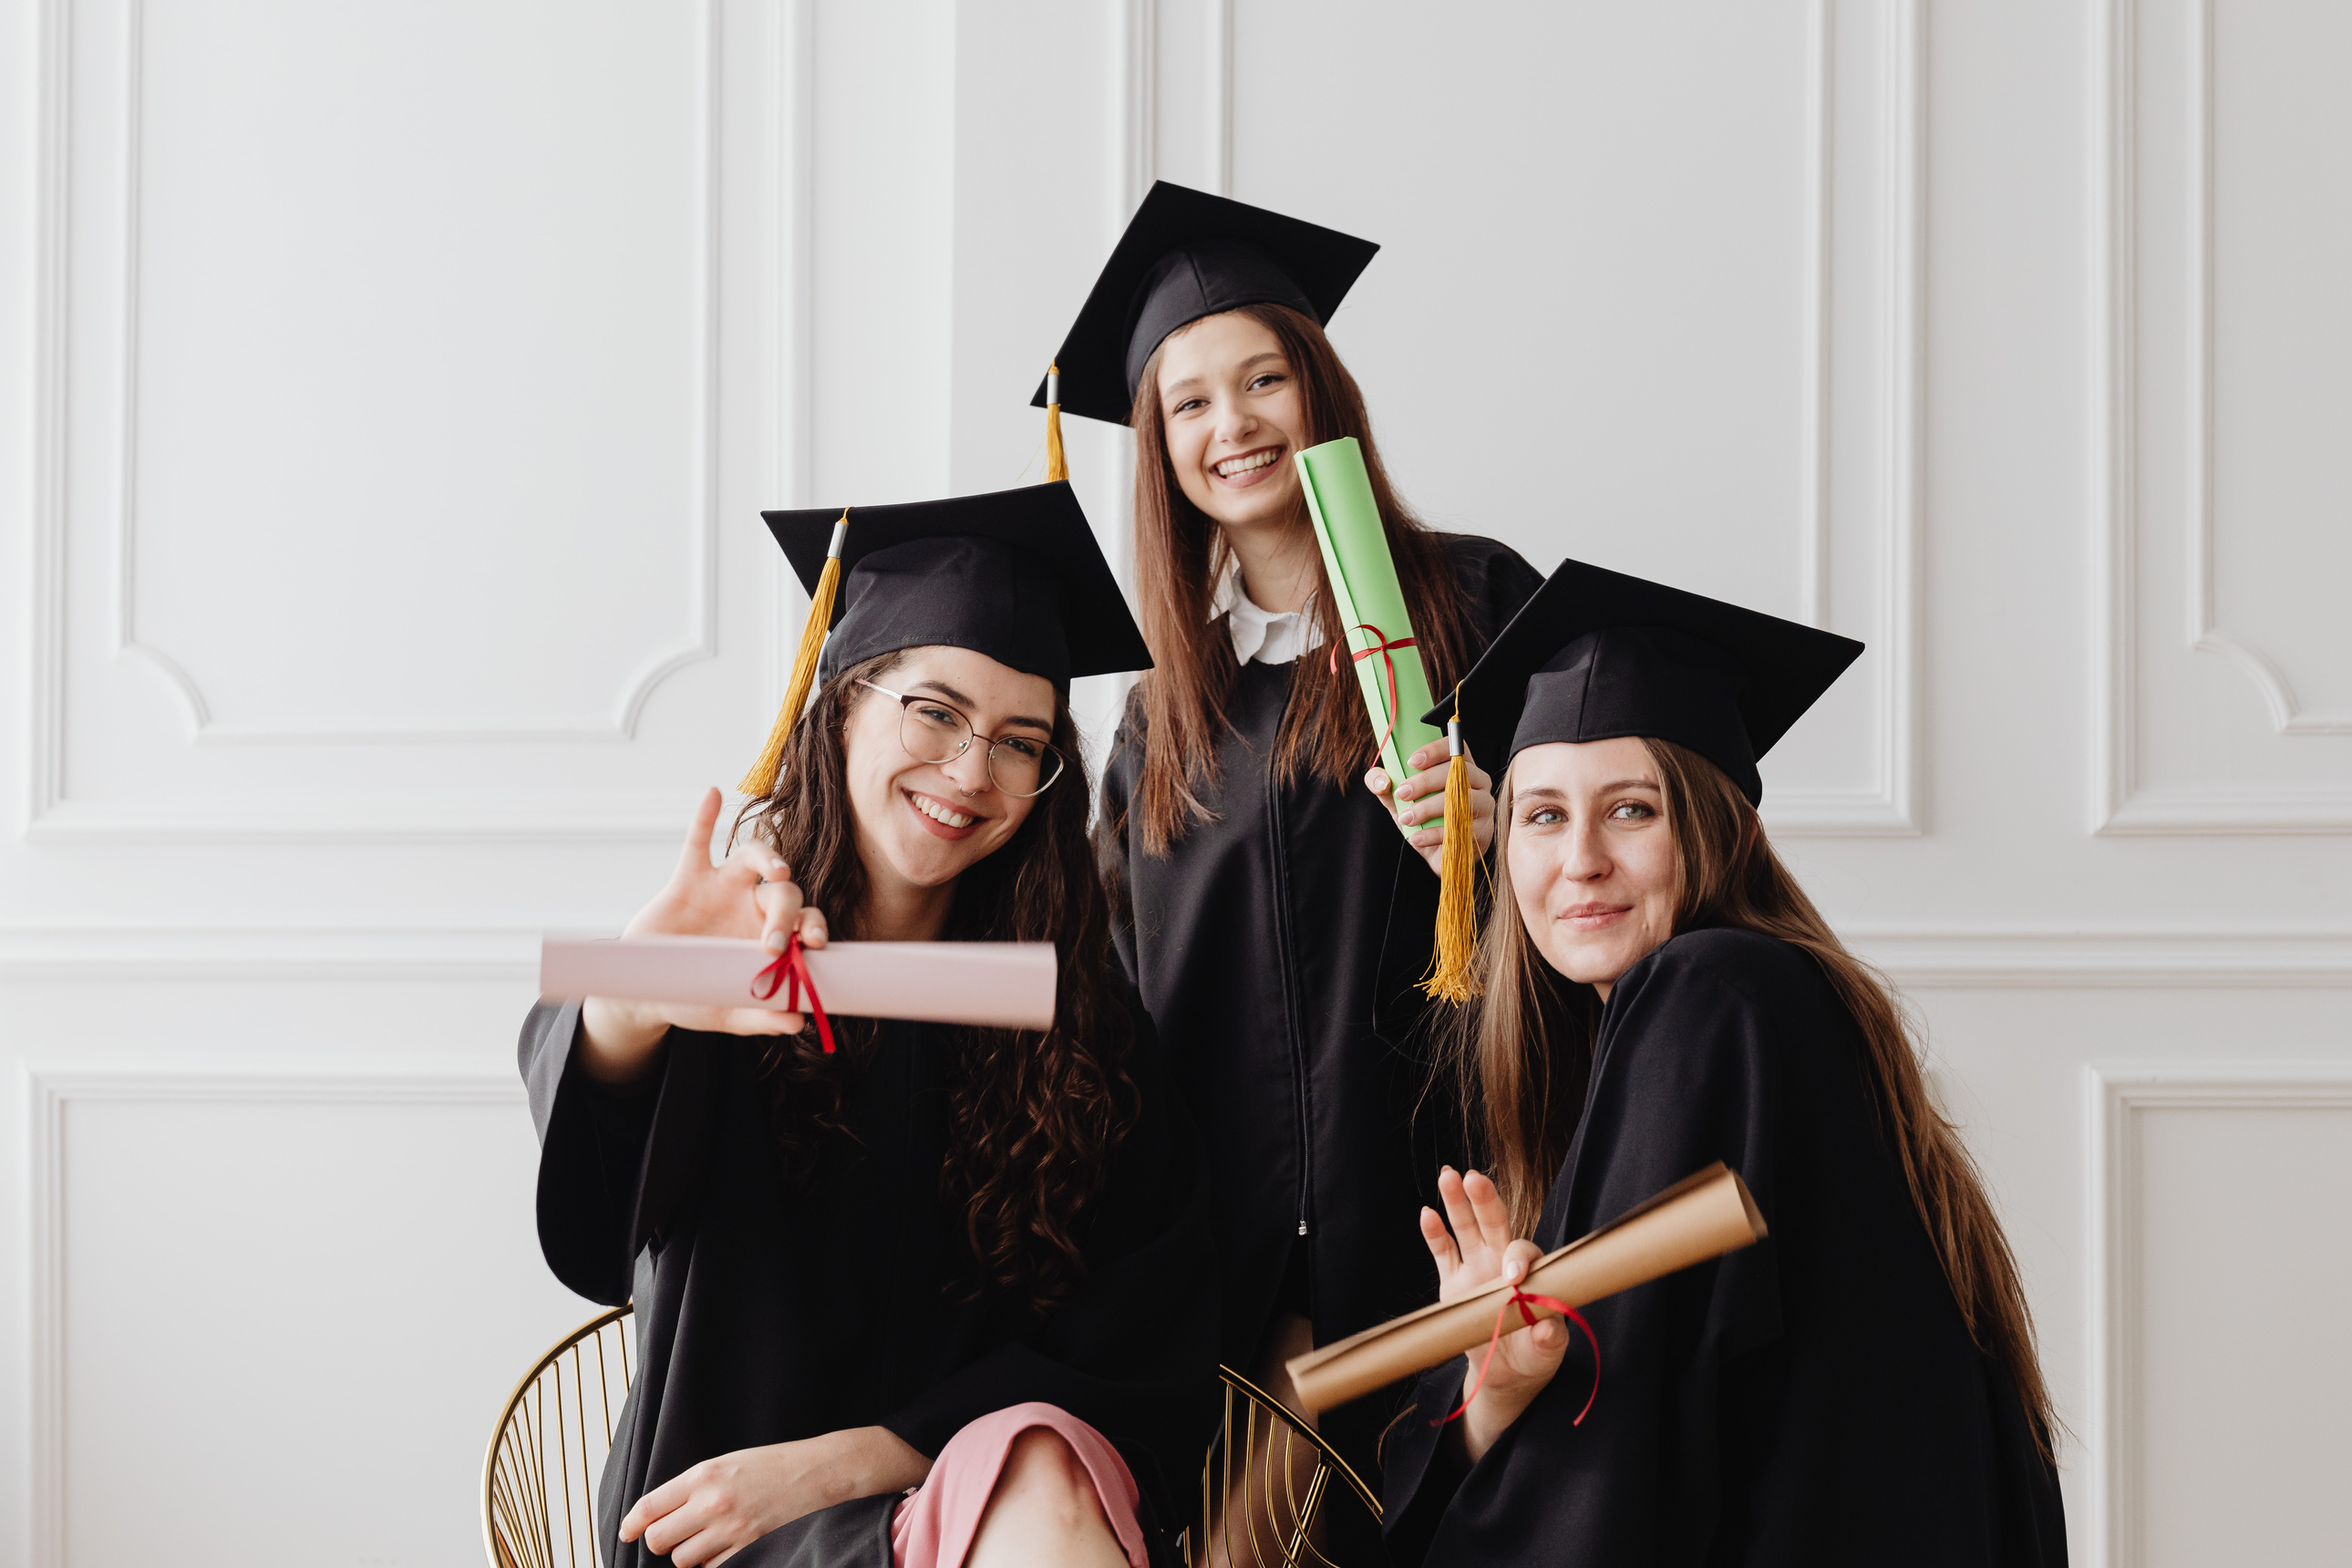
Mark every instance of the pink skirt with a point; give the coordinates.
(934, 1527)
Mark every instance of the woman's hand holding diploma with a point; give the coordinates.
(1479, 1252)
(1421, 799)
(748, 895)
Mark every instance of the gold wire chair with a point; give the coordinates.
(1279, 1513)
(538, 1478)
(547, 1452)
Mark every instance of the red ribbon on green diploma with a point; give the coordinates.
(1521, 1300)
(1381, 646)
(790, 974)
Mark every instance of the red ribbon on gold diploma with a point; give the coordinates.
(1381, 647)
(790, 973)
(1520, 1298)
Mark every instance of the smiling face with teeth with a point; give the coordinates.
(920, 824)
(1230, 404)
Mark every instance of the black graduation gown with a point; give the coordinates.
(766, 1314)
(1812, 1399)
(1278, 948)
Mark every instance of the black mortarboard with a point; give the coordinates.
(1596, 654)
(1015, 574)
(1186, 255)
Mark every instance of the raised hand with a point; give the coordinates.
(1479, 1252)
(1421, 799)
(749, 895)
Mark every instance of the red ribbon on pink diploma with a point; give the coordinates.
(790, 973)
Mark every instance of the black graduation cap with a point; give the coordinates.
(1595, 654)
(1015, 574)
(1186, 255)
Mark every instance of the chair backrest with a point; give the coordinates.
(538, 1478)
(1256, 1507)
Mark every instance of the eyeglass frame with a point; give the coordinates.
(972, 733)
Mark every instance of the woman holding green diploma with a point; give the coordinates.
(1272, 913)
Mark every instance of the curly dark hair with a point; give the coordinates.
(1031, 1116)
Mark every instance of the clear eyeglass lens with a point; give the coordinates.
(1023, 767)
(933, 733)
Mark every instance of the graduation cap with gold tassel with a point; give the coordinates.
(761, 781)
(1015, 574)
(1594, 655)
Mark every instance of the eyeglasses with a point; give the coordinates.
(932, 732)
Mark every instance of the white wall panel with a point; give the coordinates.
(2222, 1210)
(387, 418)
(275, 1310)
(1694, 232)
(2228, 688)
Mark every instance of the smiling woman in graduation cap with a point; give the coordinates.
(969, 1260)
(1860, 1386)
(1273, 918)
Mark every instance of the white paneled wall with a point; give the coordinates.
(390, 392)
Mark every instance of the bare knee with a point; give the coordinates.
(1044, 1473)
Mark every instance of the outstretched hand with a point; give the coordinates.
(750, 895)
(1421, 799)
(1478, 1252)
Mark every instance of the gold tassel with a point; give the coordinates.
(1056, 465)
(1453, 975)
(761, 781)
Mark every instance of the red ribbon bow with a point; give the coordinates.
(1381, 647)
(1520, 1298)
(790, 974)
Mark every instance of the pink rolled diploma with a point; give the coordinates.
(1699, 1217)
(995, 984)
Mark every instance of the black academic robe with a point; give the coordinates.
(1278, 948)
(1812, 1399)
(766, 1313)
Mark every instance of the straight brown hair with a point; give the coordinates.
(1522, 1055)
(1179, 553)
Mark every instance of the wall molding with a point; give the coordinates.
(2120, 803)
(48, 1093)
(1921, 958)
(1895, 806)
(2112, 1097)
(699, 640)
(51, 814)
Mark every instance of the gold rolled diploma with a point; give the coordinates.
(1699, 1217)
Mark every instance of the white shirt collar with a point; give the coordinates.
(1259, 634)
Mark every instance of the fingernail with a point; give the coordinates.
(776, 941)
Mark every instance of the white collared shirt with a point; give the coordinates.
(1259, 634)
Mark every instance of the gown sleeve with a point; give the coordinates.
(1112, 838)
(1683, 1077)
(613, 1160)
(1134, 1351)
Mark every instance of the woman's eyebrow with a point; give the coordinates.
(950, 692)
(1630, 784)
(952, 695)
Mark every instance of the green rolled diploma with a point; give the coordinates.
(1365, 591)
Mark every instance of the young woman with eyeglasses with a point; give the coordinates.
(939, 1296)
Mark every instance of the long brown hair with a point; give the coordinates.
(1179, 553)
(1032, 1117)
(1523, 1054)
